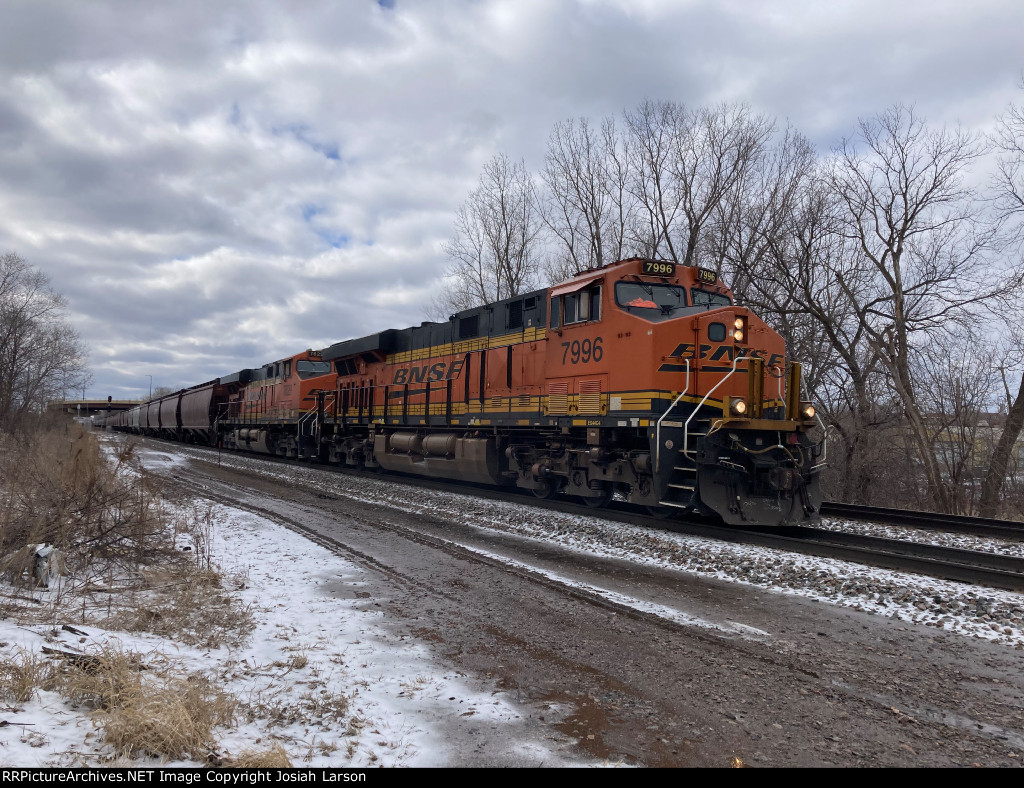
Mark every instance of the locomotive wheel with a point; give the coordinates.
(600, 501)
(545, 489)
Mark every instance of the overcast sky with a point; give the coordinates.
(216, 185)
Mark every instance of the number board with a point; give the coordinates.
(659, 268)
(706, 275)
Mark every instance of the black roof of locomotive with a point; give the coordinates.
(381, 342)
(490, 320)
(242, 376)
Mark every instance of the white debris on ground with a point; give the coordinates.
(319, 675)
(954, 607)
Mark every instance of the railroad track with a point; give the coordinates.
(966, 566)
(933, 521)
(949, 563)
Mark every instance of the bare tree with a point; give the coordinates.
(1002, 452)
(685, 164)
(1009, 198)
(808, 285)
(751, 219)
(651, 128)
(956, 382)
(494, 253)
(920, 252)
(587, 203)
(164, 391)
(1009, 181)
(41, 355)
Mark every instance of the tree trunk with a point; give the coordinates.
(996, 475)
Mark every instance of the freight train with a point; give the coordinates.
(641, 377)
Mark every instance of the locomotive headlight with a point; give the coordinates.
(738, 407)
(807, 410)
(739, 329)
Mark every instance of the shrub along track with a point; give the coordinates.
(578, 640)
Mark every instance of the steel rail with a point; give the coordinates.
(934, 521)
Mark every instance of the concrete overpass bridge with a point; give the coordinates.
(84, 408)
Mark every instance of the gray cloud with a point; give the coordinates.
(217, 185)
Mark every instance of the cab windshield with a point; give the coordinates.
(310, 369)
(707, 299)
(651, 301)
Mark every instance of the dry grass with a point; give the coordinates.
(173, 719)
(185, 597)
(99, 681)
(21, 675)
(314, 707)
(296, 661)
(143, 710)
(56, 488)
(186, 603)
(274, 757)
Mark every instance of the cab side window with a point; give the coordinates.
(571, 309)
(581, 307)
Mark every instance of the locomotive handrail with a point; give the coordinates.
(303, 418)
(221, 414)
(315, 413)
(686, 426)
(824, 443)
(824, 430)
(824, 439)
(311, 413)
(657, 426)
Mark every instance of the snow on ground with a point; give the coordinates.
(318, 643)
(954, 607)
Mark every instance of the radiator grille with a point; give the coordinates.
(590, 397)
(558, 398)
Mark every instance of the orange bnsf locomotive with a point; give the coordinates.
(641, 377)
(266, 410)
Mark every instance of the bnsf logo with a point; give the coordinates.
(725, 353)
(428, 373)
